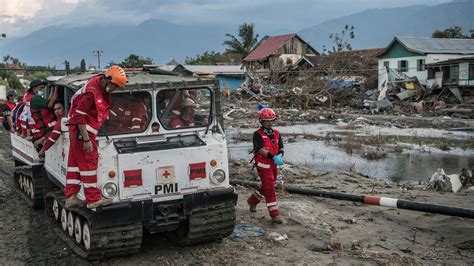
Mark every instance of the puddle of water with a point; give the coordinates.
(412, 164)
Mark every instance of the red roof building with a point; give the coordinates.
(277, 51)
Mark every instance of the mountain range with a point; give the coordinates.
(160, 40)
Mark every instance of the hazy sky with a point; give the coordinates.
(20, 17)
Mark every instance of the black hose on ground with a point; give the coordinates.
(372, 200)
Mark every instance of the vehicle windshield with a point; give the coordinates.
(130, 112)
(184, 108)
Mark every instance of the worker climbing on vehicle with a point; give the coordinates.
(89, 109)
(268, 149)
(6, 109)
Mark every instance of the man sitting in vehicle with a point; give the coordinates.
(43, 115)
(53, 135)
(25, 119)
(188, 116)
(127, 114)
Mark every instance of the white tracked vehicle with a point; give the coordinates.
(174, 180)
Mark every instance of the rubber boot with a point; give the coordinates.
(73, 201)
(277, 219)
(100, 203)
(252, 208)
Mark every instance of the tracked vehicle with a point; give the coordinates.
(169, 179)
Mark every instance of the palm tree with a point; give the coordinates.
(248, 41)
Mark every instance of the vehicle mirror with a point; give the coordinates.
(64, 127)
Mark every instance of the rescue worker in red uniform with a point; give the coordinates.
(268, 148)
(188, 116)
(25, 119)
(127, 115)
(89, 109)
(41, 110)
(7, 108)
(51, 138)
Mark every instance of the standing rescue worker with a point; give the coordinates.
(89, 109)
(7, 107)
(268, 148)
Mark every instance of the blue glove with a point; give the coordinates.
(278, 160)
(261, 106)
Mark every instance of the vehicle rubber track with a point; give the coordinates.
(120, 240)
(30, 184)
(213, 223)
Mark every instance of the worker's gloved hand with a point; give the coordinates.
(278, 160)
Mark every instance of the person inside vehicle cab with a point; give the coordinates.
(188, 116)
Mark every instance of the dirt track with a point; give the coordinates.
(369, 234)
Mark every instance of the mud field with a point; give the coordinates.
(317, 230)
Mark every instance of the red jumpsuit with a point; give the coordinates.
(53, 135)
(43, 117)
(126, 115)
(267, 171)
(178, 122)
(90, 106)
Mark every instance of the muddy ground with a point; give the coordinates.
(319, 231)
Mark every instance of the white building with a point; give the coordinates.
(410, 54)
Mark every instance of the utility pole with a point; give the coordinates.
(98, 53)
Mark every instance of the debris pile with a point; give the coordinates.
(439, 181)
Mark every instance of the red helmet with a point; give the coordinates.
(267, 114)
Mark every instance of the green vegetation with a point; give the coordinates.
(134, 60)
(453, 32)
(213, 58)
(83, 65)
(341, 39)
(247, 42)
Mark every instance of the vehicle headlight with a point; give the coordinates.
(109, 190)
(218, 176)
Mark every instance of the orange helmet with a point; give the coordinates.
(267, 114)
(117, 74)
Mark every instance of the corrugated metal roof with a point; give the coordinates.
(435, 45)
(268, 47)
(208, 69)
(134, 79)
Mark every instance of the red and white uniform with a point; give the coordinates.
(90, 106)
(44, 121)
(126, 115)
(25, 120)
(53, 136)
(178, 122)
(267, 171)
(11, 106)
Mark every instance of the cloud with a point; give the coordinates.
(268, 15)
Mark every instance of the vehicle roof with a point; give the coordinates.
(140, 80)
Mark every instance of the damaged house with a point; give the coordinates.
(277, 53)
(409, 55)
(457, 73)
